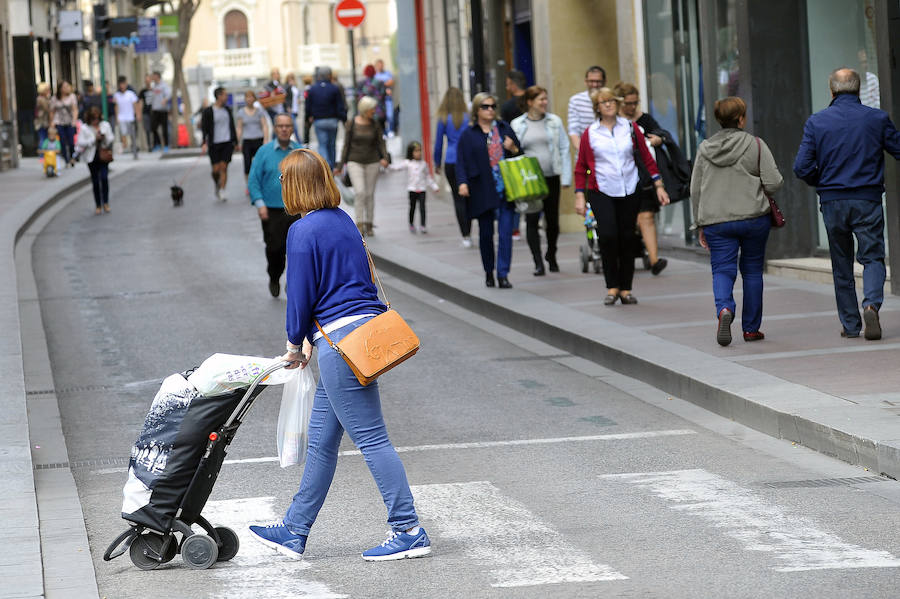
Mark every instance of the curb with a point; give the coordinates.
(781, 409)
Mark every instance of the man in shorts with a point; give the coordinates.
(128, 105)
(219, 139)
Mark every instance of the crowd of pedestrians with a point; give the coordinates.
(625, 163)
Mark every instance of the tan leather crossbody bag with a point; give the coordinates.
(378, 345)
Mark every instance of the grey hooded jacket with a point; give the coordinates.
(726, 184)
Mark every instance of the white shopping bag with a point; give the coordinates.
(293, 417)
(223, 373)
(348, 195)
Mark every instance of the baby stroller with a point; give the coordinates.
(590, 251)
(174, 465)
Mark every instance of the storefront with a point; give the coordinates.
(777, 56)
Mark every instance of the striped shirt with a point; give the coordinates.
(581, 113)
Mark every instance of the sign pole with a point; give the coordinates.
(101, 53)
(352, 58)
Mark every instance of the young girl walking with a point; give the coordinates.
(418, 178)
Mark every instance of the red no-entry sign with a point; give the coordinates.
(350, 13)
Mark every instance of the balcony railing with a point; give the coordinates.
(315, 55)
(237, 63)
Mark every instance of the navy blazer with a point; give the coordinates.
(842, 151)
(473, 167)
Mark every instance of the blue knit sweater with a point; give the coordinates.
(328, 274)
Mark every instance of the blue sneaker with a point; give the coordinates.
(165, 149)
(279, 538)
(399, 545)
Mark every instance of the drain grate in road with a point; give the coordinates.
(41, 392)
(86, 388)
(825, 482)
(530, 358)
(83, 464)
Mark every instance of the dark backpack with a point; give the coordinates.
(674, 168)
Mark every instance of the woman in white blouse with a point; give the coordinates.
(613, 160)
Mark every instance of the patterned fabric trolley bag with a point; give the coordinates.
(523, 179)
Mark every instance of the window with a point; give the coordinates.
(236, 30)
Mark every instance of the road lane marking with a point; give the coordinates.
(516, 547)
(794, 542)
(472, 445)
(257, 571)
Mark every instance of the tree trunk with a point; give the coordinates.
(185, 11)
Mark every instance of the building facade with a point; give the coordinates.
(236, 43)
(682, 55)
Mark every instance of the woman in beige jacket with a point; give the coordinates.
(733, 172)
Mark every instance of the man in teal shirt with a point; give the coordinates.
(264, 185)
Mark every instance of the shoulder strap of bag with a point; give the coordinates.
(375, 278)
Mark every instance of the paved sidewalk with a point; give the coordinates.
(44, 552)
(803, 382)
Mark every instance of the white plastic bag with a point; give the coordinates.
(223, 373)
(293, 417)
(348, 195)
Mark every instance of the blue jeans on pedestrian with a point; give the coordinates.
(100, 181)
(864, 219)
(326, 135)
(342, 403)
(507, 218)
(733, 244)
(66, 140)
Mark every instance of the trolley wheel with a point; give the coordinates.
(584, 253)
(645, 258)
(146, 549)
(230, 543)
(598, 267)
(199, 552)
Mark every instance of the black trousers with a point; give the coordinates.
(249, 147)
(615, 233)
(459, 202)
(275, 231)
(160, 118)
(551, 218)
(417, 198)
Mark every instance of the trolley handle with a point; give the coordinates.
(240, 409)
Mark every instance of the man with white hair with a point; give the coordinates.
(842, 155)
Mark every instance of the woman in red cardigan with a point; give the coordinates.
(613, 160)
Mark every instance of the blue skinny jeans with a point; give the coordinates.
(326, 136)
(340, 404)
(733, 244)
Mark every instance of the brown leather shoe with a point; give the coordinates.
(723, 330)
(754, 336)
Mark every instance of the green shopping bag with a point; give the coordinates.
(523, 179)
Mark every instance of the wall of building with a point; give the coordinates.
(577, 35)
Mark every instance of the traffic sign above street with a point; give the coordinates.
(350, 13)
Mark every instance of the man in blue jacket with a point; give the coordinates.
(326, 108)
(842, 155)
(264, 185)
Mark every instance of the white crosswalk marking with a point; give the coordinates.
(258, 572)
(793, 542)
(518, 549)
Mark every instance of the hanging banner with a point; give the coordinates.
(168, 26)
(148, 36)
(123, 32)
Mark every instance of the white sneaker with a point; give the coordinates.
(220, 193)
(466, 242)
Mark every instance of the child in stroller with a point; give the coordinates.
(590, 251)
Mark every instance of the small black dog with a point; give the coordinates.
(177, 195)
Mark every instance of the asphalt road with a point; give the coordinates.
(535, 473)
